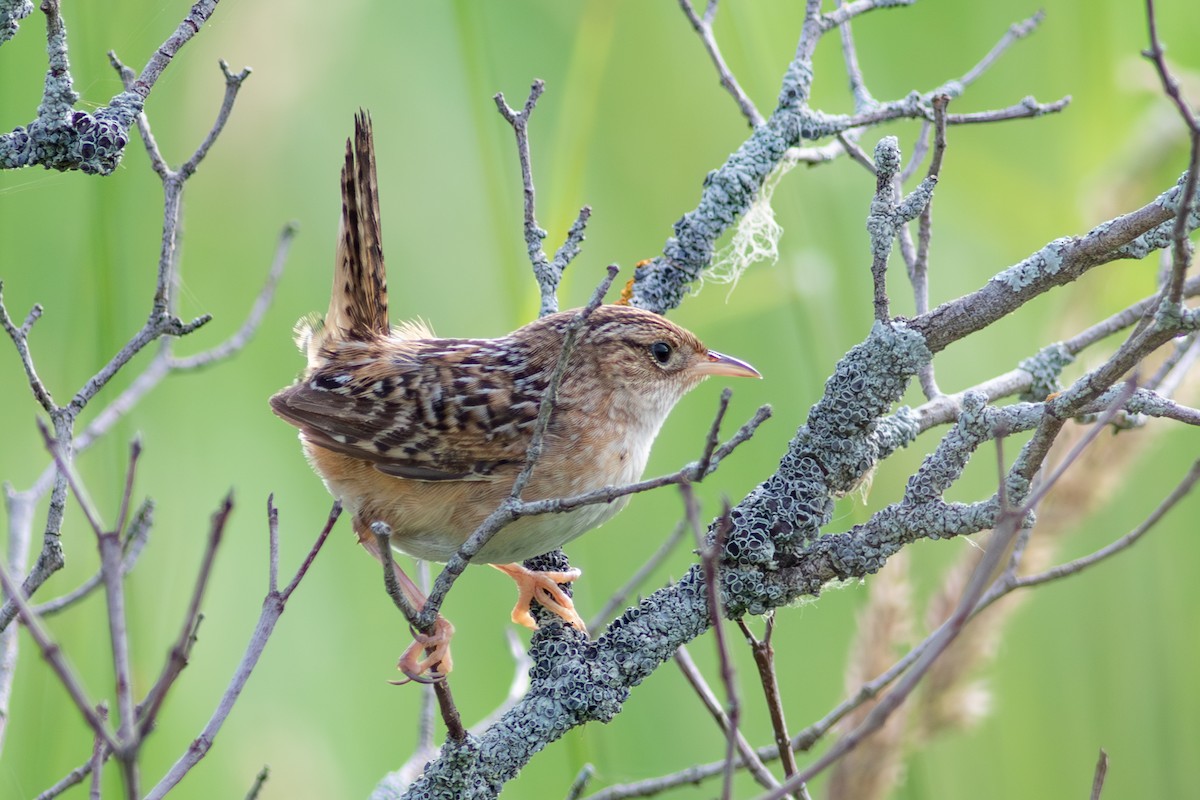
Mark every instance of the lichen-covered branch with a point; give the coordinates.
(776, 549)
(64, 138)
(662, 283)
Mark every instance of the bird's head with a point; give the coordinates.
(642, 356)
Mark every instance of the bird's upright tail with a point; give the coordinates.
(358, 304)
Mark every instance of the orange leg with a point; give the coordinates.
(436, 663)
(543, 587)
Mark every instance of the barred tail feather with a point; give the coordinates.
(358, 304)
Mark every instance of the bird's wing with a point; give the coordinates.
(441, 410)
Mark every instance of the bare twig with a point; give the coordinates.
(919, 268)
(233, 83)
(848, 11)
(704, 29)
(710, 553)
(714, 433)
(1128, 540)
(135, 540)
(260, 780)
(764, 659)
(687, 474)
(440, 682)
(20, 339)
(580, 783)
(1028, 108)
(189, 27)
(858, 85)
(619, 597)
(1099, 775)
(72, 778)
(1015, 33)
(177, 656)
(258, 310)
(1181, 246)
(547, 273)
(98, 750)
(748, 758)
(273, 607)
(57, 661)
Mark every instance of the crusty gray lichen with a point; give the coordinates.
(90, 143)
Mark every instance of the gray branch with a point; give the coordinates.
(776, 548)
(64, 138)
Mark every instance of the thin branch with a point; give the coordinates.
(1170, 373)
(687, 474)
(72, 778)
(748, 757)
(848, 11)
(547, 273)
(1115, 405)
(714, 432)
(1099, 775)
(580, 783)
(383, 540)
(764, 659)
(273, 607)
(1181, 250)
(1016, 32)
(98, 751)
(134, 543)
(619, 598)
(189, 27)
(427, 715)
(20, 340)
(259, 781)
(258, 310)
(704, 29)
(919, 271)
(56, 448)
(710, 553)
(440, 682)
(856, 153)
(180, 651)
(1128, 540)
(858, 85)
(53, 655)
(233, 83)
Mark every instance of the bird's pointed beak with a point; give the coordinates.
(718, 364)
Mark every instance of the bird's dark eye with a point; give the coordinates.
(661, 352)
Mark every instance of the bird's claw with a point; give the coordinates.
(436, 663)
(543, 587)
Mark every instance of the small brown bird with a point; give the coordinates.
(428, 435)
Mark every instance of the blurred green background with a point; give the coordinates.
(632, 119)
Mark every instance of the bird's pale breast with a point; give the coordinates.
(432, 519)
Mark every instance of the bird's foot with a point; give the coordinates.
(436, 663)
(543, 587)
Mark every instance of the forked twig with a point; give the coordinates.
(548, 273)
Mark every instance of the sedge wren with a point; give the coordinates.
(428, 435)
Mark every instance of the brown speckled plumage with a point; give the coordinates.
(428, 434)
